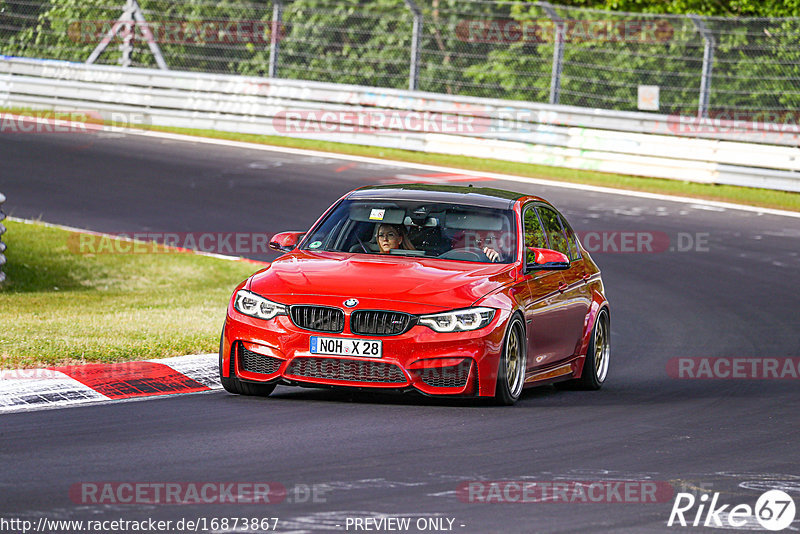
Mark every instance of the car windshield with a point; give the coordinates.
(419, 229)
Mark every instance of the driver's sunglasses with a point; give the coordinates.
(389, 235)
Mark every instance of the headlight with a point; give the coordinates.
(256, 306)
(458, 320)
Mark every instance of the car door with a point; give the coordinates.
(543, 319)
(573, 300)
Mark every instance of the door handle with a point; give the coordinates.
(562, 286)
(586, 277)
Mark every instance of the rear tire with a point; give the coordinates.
(512, 365)
(231, 384)
(595, 366)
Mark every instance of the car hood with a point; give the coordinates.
(431, 284)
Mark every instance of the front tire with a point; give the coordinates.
(231, 384)
(512, 365)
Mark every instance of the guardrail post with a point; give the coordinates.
(558, 51)
(2, 245)
(708, 60)
(275, 36)
(416, 37)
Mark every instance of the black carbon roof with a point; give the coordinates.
(454, 194)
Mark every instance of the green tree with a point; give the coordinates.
(465, 47)
(191, 34)
(342, 41)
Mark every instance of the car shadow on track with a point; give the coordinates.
(339, 395)
(618, 393)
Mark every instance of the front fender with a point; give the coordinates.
(599, 303)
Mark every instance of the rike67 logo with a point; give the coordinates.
(774, 510)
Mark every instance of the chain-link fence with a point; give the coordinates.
(531, 51)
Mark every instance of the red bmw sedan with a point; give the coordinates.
(442, 290)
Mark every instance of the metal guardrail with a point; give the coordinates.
(2, 245)
(645, 144)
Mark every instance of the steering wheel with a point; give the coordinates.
(362, 244)
(465, 254)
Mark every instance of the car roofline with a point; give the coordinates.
(451, 194)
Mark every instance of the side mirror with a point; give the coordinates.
(285, 241)
(544, 259)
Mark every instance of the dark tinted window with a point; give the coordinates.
(553, 230)
(575, 252)
(534, 235)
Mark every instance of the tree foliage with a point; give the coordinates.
(367, 42)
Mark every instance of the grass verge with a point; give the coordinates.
(61, 308)
(766, 198)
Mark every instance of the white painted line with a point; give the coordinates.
(436, 168)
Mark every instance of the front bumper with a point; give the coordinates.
(277, 351)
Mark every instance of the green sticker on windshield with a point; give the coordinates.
(315, 244)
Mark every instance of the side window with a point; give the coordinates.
(534, 235)
(552, 227)
(575, 251)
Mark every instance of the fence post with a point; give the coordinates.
(708, 60)
(275, 36)
(416, 33)
(558, 51)
(2, 245)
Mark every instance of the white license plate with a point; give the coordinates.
(370, 348)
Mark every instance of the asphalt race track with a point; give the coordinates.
(728, 288)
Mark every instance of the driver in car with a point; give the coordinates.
(491, 253)
(392, 236)
(472, 239)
